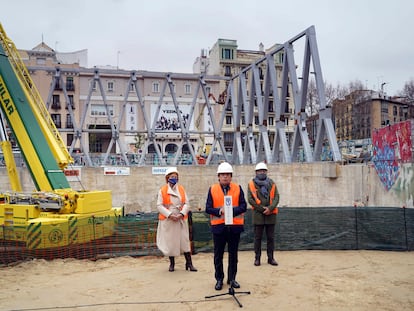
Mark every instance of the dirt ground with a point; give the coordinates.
(304, 280)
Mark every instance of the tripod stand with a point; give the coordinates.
(232, 293)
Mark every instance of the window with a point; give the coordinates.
(56, 102)
(261, 73)
(270, 108)
(384, 107)
(70, 86)
(57, 85)
(56, 119)
(155, 87)
(228, 107)
(271, 120)
(227, 71)
(228, 138)
(279, 57)
(100, 110)
(110, 86)
(69, 124)
(40, 61)
(69, 139)
(228, 120)
(71, 102)
(95, 143)
(93, 85)
(227, 54)
(132, 87)
(187, 88)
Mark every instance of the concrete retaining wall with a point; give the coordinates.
(299, 184)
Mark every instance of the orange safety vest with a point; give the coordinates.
(253, 190)
(166, 199)
(218, 202)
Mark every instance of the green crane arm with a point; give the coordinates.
(27, 116)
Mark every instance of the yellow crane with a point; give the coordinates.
(55, 214)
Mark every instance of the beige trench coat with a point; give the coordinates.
(173, 236)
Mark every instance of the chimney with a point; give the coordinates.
(261, 47)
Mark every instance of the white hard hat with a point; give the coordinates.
(225, 168)
(171, 170)
(261, 166)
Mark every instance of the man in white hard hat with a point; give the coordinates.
(263, 196)
(226, 205)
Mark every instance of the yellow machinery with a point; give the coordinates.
(54, 215)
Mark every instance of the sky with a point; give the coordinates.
(371, 41)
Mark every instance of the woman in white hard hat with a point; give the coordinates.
(263, 196)
(222, 196)
(172, 232)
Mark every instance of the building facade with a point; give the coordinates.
(363, 111)
(249, 104)
(226, 59)
(123, 114)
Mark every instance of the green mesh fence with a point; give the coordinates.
(327, 228)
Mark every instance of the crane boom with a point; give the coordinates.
(21, 103)
(55, 141)
(72, 216)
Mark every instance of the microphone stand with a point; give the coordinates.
(233, 293)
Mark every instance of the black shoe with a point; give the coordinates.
(234, 284)
(257, 262)
(272, 262)
(219, 285)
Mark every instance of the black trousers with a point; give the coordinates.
(270, 237)
(220, 240)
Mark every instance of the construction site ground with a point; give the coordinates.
(304, 280)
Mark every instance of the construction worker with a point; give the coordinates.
(172, 232)
(263, 196)
(226, 206)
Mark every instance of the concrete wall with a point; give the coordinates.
(299, 184)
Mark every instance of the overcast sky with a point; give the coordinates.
(367, 40)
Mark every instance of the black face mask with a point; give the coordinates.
(261, 176)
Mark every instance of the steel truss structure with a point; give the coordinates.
(242, 101)
(259, 148)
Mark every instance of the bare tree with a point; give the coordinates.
(355, 85)
(408, 91)
(331, 93)
(312, 100)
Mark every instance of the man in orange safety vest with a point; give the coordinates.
(263, 196)
(226, 206)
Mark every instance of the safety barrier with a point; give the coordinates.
(327, 228)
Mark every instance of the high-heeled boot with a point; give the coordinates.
(188, 262)
(172, 264)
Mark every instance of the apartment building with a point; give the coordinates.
(112, 111)
(42, 62)
(363, 111)
(226, 59)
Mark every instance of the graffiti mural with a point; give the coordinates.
(391, 148)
